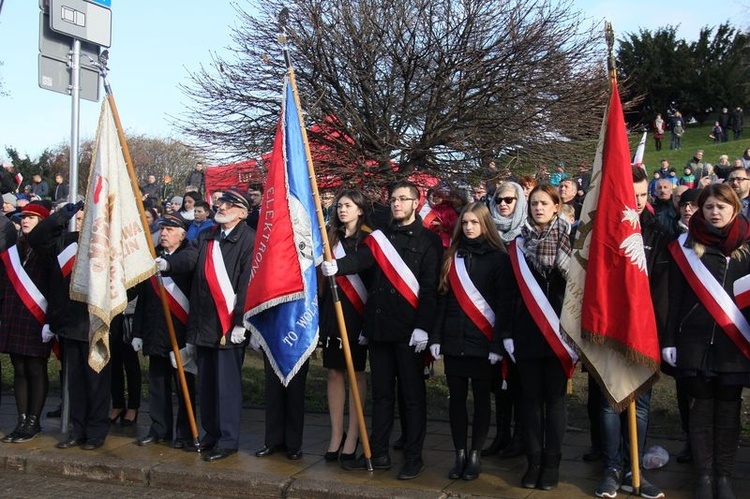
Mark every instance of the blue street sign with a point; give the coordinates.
(105, 3)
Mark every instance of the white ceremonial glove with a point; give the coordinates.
(255, 342)
(137, 344)
(329, 268)
(191, 349)
(161, 264)
(495, 358)
(47, 334)
(669, 354)
(510, 347)
(237, 335)
(362, 340)
(435, 351)
(418, 340)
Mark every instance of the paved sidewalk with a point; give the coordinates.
(243, 475)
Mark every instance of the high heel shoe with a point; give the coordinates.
(129, 422)
(349, 457)
(333, 455)
(119, 415)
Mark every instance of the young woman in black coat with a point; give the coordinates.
(468, 314)
(708, 333)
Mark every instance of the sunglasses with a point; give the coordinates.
(508, 200)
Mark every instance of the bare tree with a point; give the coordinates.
(433, 85)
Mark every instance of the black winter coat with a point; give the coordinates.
(388, 316)
(67, 318)
(701, 343)
(204, 328)
(149, 323)
(490, 271)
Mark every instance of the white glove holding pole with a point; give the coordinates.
(329, 268)
(255, 342)
(137, 344)
(238, 335)
(435, 351)
(161, 264)
(669, 355)
(510, 347)
(494, 358)
(418, 340)
(47, 334)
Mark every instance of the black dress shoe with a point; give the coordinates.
(378, 463)
(265, 451)
(203, 446)
(217, 454)
(294, 455)
(73, 442)
(411, 469)
(93, 443)
(149, 439)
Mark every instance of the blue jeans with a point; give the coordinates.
(615, 439)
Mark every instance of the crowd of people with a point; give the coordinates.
(469, 275)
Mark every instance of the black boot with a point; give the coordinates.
(458, 466)
(30, 429)
(531, 477)
(702, 443)
(13, 434)
(726, 436)
(473, 466)
(517, 445)
(503, 417)
(550, 475)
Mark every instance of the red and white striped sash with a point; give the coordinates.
(67, 258)
(712, 295)
(541, 310)
(219, 284)
(394, 267)
(351, 285)
(179, 304)
(427, 214)
(741, 290)
(30, 295)
(469, 298)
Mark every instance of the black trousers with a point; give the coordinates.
(391, 363)
(88, 391)
(124, 357)
(161, 375)
(285, 408)
(220, 377)
(543, 406)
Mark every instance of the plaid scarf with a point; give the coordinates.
(549, 248)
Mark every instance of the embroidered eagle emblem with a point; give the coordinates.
(633, 244)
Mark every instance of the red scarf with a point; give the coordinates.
(727, 239)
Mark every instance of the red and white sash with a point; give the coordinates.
(179, 304)
(741, 290)
(30, 295)
(712, 295)
(541, 310)
(469, 298)
(220, 286)
(351, 285)
(394, 267)
(67, 258)
(427, 214)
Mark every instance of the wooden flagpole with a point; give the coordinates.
(162, 291)
(283, 18)
(635, 464)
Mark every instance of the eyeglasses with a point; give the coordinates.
(738, 179)
(402, 199)
(508, 200)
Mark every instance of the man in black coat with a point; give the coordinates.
(400, 311)
(60, 192)
(215, 326)
(197, 178)
(176, 262)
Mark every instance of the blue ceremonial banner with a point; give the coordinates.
(282, 299)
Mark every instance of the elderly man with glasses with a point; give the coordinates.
(739, 180)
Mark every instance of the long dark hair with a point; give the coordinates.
(336, 229)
